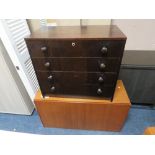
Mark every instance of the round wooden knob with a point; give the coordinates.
(44, 48)
(102, 66)
(100, 79)
(52, 89)
(47, 64)
(50, 77)
(99, 91)
(104, 50)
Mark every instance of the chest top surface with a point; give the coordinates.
(79, 32)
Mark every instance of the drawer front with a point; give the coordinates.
(76, 48)
(77, 64)
(71, 78)
(77, 90)
(36, 49)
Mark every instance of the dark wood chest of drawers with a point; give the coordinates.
(77, 61)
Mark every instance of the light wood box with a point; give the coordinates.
(90, 114)
(150, 131)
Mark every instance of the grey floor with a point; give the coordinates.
(138, 119)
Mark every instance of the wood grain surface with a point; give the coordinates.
(79, 32)
(150, 131)
(87, 49)
(90, 114)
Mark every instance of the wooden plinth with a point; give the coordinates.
(91, 114)
(149, 131)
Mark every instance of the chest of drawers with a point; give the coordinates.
(77, 61)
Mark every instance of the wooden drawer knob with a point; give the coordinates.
(99, 91)
(44, 48)
(102, 66)
(104, 50)
(52, 89)
(50, 77)
(100, 79)
(47, 64)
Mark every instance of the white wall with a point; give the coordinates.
(66, 22)
(96, 21)
(34, 24)
(140, 33)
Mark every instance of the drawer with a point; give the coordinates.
(76, 48)
(85, 90)
(36, 49)
(71, 78)
(77, 64)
